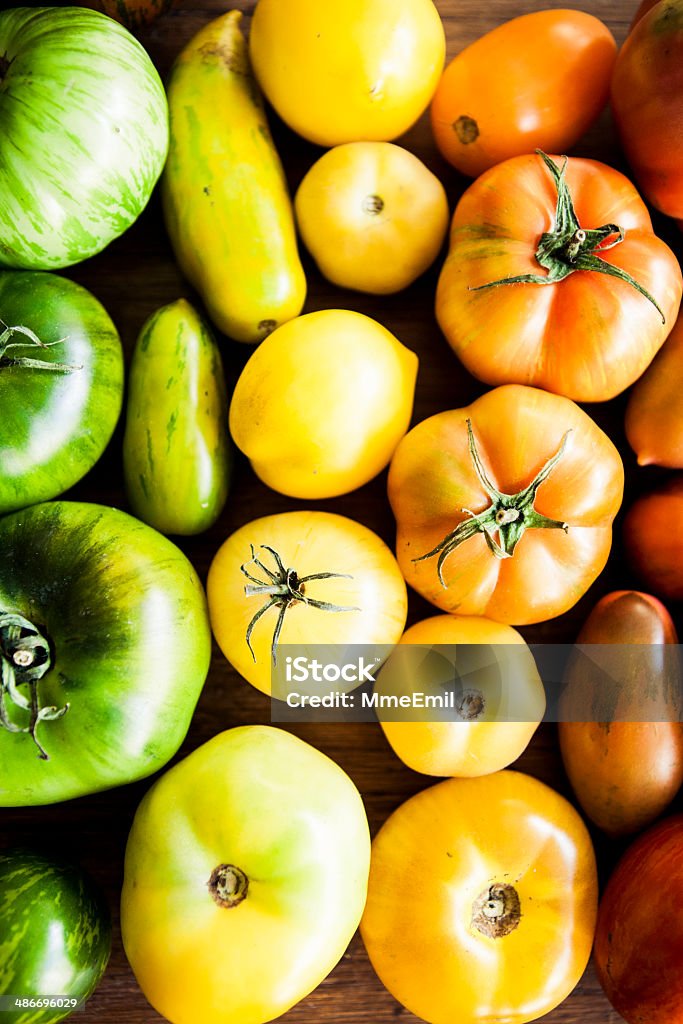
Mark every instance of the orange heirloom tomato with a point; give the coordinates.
(302, 578)
(624, 771)
(482, 901)
(654, 414)
(505, 508)
(647, 102)
(555, 278)
(479, 740)
(538, 81)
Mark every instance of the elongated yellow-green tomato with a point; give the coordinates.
(227, 208)
(176, 450)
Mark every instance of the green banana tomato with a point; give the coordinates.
(176, 453)
(245, 877)
(104, 649)
(85, 121)
(55, 937)
(61, 385)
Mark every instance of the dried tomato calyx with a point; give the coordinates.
(568, 247)
(9, 350)
(283, 587)
(507, 517)
(228, 885)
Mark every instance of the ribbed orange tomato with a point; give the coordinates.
(482, 901)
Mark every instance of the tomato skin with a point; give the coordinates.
(465, 748)
(639, 938)
(309, 542)
(535, 82)
(134, 14)
(624, 773)
(176, 454)
(363, 70)
(372, 216)
(643, 8)
(113, 598)
(432, 479)
(647, 87)
(654, 414)
(54, 425)
(56, 931)
(588, 336)
(441, 851)
(653, 535)
(288, 817)
(322, 403)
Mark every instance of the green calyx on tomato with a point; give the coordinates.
(569, 247)
(33, 342)
(283, 588)
(24, 659)
(508, 515)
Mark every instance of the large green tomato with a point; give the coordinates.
(61, 385)
(104, 649)
(245, 877)
(55, 936)
(84, 129)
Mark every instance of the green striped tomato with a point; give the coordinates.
(84, 117)
(55, 935)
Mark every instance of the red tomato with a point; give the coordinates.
(639, 940)
(653, 532)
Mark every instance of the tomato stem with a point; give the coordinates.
(25, 657)
(508, 515)
(228, 885)
(6, 344)
(283, 588)
(568, 247)
(496, 911)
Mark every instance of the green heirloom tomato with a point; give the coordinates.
(176, 453)
(84, 124)
(61, 385)
(55, 935)
(245, 877)
(104, 649)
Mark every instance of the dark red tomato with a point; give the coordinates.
(639, 940)
(653, 532)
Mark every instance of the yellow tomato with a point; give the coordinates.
(348, 71)
(369, 593)
(245, 878)
(323, 402)
(502, 701)
(372, 216)
(482, 901)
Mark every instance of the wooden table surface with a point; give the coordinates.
(134, 277)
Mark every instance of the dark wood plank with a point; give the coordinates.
(135, 276)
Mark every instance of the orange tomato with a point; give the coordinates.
(644, 7)
(654, 414)
(653, 534)
(482, 901)
(536, 82)
(533, 289)
(624, 773)
(481, 739)
(511, 518)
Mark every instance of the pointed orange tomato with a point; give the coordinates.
(482, 901)
(511, 516)
(555, 278)
(654, 414)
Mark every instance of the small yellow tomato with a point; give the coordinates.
(482, 901)
(273, 557)
(372, 216)
(323, 402)
(502, 700)
(343, 72)
(245, 878)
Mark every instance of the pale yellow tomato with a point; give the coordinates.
(372, 216)
(348, 70)
(366, 589)
(323, 402)
(501, 701)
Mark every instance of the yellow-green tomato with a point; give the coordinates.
(245, 878)
(176, 448)
(372, 216)
(323, 402)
